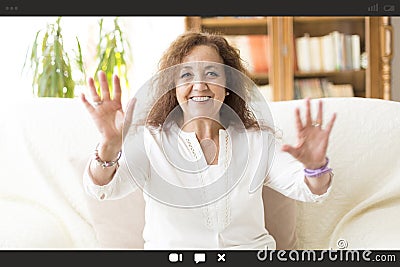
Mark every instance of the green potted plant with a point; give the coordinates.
(51, 64)
(52, 67)
(113, 53)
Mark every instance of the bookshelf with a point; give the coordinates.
(375, 44)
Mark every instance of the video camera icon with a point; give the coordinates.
(175, 257)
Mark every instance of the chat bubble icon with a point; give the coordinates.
(199, 257)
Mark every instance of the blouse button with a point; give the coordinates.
(102, 196)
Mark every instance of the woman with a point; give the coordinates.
(200, 149)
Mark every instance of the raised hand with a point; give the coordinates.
(107, 112)
(311, 137)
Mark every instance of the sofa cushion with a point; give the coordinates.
(53, 139)
(363, 152)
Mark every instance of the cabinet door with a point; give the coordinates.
(281, 74)
(379, 46)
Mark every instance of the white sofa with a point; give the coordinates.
(46, 142)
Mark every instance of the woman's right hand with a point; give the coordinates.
(107, 112)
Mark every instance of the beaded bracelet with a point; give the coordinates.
(105, 164)
(318, 172)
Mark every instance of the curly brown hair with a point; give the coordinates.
(237, 85)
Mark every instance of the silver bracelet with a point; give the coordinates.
(105, 164)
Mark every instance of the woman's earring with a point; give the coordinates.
(227, 93)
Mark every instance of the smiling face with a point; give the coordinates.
(200, 89)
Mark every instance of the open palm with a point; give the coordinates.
(312, 139)
(108, 115)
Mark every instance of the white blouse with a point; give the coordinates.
(233, 221)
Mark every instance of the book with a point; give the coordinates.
(254, 51)
(303, 53)
(328, 53)
(260, 52)
(341, 90)
(308, 87)
(296, 85)
(335, 51)
(356, 51)
(348, 52)
(325, 84)
(315, 54)
(336, 90)
(241, 42)
(338, 44)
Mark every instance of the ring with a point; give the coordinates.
(97, 103)
(315, 124)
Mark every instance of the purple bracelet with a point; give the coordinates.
(318, 172)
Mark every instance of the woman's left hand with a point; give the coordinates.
(312, 139)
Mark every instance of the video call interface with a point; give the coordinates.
(305, 36)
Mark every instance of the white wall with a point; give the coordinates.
(150, 36)
(16, 35)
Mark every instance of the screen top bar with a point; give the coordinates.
(200, 8)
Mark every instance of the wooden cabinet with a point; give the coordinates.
(375, 35)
